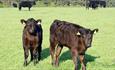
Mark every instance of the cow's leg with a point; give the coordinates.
(35, 53)
(58, 51)
(39, 52)
(31, 52)
(52, 50)
(26, 53)
(75, 57)
(29, 8)
(20, 7)
(81, 57)
(40, 46)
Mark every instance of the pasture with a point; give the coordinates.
(101, 56)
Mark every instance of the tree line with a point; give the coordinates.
(8, 3)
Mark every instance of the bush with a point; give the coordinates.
(1, 5)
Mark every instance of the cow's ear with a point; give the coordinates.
(23, 21)
(95, 31)
(78, 33)
(39, 21)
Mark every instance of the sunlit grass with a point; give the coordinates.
(101, 56)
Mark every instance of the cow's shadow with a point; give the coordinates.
(45, 53)
(67, 56)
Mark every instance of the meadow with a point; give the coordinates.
(101, 56)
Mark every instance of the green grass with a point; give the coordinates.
(101, 56)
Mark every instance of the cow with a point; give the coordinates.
(26, 3)
(32, 39)
(92, 3)
(77, 38)
(95, 4)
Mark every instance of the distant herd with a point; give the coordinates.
(62, 34)
(89, 4)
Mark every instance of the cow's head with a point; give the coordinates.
(31, 24)
(87, 36)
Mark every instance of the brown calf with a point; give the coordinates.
(32, 39)
(73, 36)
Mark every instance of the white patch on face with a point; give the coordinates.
(39, 23)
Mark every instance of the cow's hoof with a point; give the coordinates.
(57, 65)
(25, 64)
(53, 64)
(35, 62)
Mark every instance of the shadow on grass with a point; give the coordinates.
(90, 58)
(67, 56)
(45, 53)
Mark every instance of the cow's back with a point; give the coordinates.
(64, 32)
(25, 4)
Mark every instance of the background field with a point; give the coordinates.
(101, 56)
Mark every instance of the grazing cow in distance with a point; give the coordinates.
(26, 3)
(77, 38)
(95, 4)
(92, 3)
(32, 39)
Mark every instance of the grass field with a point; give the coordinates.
(101, 56)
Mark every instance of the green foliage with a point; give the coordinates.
(111, 3)
(1, 5)
(101, 56)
